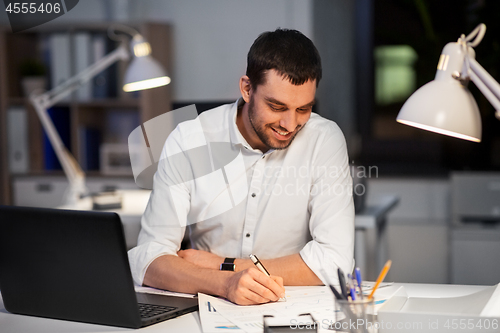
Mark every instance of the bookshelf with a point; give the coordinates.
(97, 115)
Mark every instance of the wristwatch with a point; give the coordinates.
(228, 265)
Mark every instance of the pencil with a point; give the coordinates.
(381, 277)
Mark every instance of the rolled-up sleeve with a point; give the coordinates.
(331, 210)
(164, 221)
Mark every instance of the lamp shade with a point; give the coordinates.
(144, 72)
(445, 107)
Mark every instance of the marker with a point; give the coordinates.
(338, 296)
(332, 288)
(381, 277)
(261, 267)
(357, 271)
(342, 282)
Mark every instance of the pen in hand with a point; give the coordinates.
(261, 267)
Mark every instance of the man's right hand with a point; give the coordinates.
(251, 286)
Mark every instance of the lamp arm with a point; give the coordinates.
(485, 83)
(42, 102)
(55, 95)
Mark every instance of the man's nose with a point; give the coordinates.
(289, 121)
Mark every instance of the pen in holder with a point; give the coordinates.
(355, 316)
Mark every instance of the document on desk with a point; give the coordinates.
(212, 321)
(318, 301)
(148, 290)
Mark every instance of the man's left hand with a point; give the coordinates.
(201, 258)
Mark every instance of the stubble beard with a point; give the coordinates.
(260, 130)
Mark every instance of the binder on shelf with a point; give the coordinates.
(46, 56)
(104, 84)
(112, 70)
(17, 139)
(90, 142)
(98, 52)
(82, 51)
(60, 59)
(61, 119)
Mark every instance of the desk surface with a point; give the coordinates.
(10, 323)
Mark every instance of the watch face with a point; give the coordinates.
(227, 267)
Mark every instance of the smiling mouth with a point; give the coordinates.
(281, 133)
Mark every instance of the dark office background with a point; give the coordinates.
(407, 36)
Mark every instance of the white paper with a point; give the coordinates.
(148, 290)
(225, 316)
(318, 301)
(211, 320)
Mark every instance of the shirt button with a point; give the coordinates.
(264, 156)
(248, 235)
(253, 195)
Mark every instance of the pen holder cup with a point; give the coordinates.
(355, 316)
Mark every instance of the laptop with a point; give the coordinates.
(73, 265)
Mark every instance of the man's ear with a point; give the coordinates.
(245, 88)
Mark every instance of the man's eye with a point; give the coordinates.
(276, 108)
(304, 110)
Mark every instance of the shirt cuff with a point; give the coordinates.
(142, 256)
(320, 258)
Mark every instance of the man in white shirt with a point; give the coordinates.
(264, 176)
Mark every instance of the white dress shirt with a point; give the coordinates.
(235, 200)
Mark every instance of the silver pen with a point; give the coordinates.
(261, 267)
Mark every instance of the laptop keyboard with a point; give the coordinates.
(150, 310)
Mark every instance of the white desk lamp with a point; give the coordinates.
(445, 105)
(143, 73)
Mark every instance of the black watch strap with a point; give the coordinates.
(228, 265)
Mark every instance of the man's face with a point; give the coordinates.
(278, 110)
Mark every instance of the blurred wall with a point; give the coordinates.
(210, 38)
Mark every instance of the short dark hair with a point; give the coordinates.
(287, 51)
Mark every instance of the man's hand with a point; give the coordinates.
(201, 258)
(247, 287)
(251, 286)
